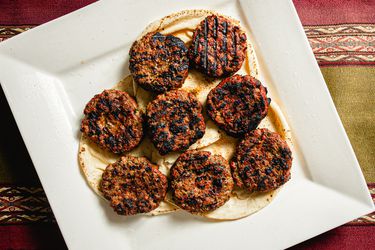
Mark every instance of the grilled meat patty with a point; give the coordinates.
(133, 185)
(159, 63)
(200, 182)
(262, 161)
(113, 121)
(218, 47)
(175, 121)
(238, 104)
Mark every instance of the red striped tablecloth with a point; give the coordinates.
(342, 36)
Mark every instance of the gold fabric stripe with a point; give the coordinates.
(352, 90)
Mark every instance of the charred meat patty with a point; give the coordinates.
(113, 121)
(200, 182)
(238, 104)
(218, 47)
(133, 185)
(175, 121)
(262, 161)
(159, 63)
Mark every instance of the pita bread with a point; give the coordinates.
(93, 160)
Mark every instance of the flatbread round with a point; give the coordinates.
(93, 159)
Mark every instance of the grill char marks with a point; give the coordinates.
(205, 44)
(112, 120)
(209, 51)
(200, 182)
(214, 64)
(225, 45)
(175, 121)
(262, 161)
(238, 104)
(159, 63)
(234, 39)
(133, 185)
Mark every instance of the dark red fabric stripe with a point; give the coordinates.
(19, 12)
(320, 12)
(48, 236)
(36, 236)
(311, 12)
(343, 64)
(341, 238)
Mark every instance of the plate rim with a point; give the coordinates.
(15, 104)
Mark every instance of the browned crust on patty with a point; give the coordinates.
(112, 120)
(262, 161)
(175, 121)
(159, 63)
(200, 182)
(218, 47)
(133, 185)
(238, 104)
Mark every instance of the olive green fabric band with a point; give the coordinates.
(352, 90)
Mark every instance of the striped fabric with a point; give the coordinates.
(342, 37)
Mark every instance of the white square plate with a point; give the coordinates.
(50, 72)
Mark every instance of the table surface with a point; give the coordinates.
(342, 36)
